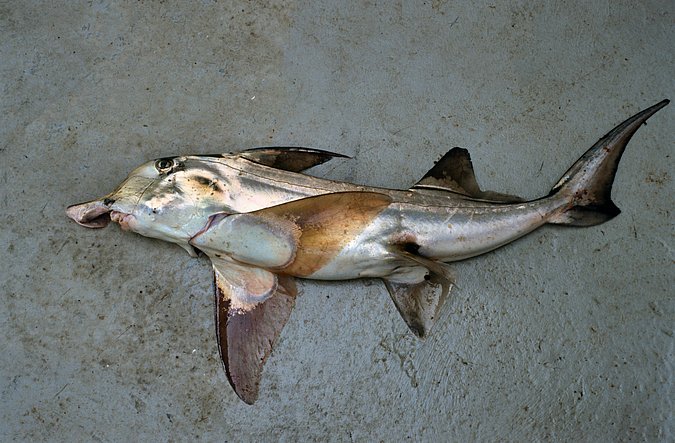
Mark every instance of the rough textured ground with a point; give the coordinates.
(565, 335)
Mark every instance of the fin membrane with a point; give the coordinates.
(588, 183)
(420, 302)
(252, 303)
(289, 159)
(454, 173)
(246, 336)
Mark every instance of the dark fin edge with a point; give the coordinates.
(454, 173)
(588, 183)
(246, 338)
(294, 159)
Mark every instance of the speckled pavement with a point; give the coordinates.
(565, 335)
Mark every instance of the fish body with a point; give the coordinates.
(263, 223)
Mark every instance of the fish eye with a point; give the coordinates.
(164, 164)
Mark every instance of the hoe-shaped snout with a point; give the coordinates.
(112, 207)
(92, 214)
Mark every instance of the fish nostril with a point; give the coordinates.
(108, 201)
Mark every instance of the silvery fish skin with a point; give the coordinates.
(262, 223)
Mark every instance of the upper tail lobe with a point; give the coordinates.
(588, 183)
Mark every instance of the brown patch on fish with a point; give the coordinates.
(327, 224)
(207, 184)
(202, 180)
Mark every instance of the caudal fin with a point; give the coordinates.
(588, 183)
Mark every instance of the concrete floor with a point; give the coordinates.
(566, 335)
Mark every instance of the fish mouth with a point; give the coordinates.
(122, 218)
(94, 214)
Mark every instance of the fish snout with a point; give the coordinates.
(93, 214)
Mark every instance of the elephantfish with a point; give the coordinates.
(263, 223)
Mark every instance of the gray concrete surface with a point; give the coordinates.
(566, 335)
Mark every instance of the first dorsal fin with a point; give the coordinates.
(289, 159)
(454, 173)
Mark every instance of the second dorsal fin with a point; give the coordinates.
(454, 173)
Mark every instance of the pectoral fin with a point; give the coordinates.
(245, 285)
(247, 332)
(454, 172)
(289, 159)
(419, 302)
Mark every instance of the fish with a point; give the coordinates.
(263, 223)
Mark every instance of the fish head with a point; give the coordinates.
(169, 199)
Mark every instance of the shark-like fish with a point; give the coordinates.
(263, 223)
